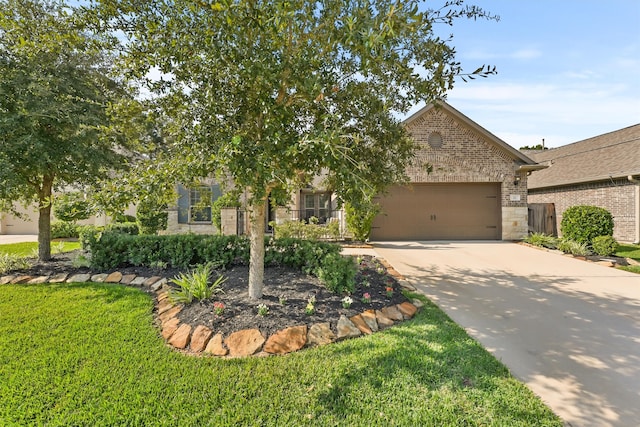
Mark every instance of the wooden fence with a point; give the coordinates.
(542, 218)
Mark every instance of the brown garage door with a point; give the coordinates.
(439, 212)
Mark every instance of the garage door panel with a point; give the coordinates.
(439, 211)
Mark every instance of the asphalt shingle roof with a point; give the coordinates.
(612, 155)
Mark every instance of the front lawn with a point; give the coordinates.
(30, 249)
(88, 354)
(629, 251)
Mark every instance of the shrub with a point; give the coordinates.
(195, 284)
(604, 245)
(71, 207)
(360, 219)
(88, 234)
(542, 240)
(583, 223)
(10, 262)
(574, 248)
(130, 228)
(112, 250)
(337, 273)
(64, 230)
(310, 231)
(151, 216)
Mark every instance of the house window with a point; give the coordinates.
(194, 203)
(316, 205)
(200, 204)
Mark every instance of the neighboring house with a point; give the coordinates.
(600, 171)
(466, 183)
(11, 224)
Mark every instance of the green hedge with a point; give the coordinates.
(584, 223)
(112, 250)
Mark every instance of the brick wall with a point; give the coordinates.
(467, 156)
(617, 196)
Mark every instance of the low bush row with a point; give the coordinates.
(110, 249)
(601, 245)
(64, 230)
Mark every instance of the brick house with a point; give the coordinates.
(601, 171)
(466, 183)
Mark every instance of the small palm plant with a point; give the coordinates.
(195, 285)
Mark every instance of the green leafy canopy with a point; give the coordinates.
(270, 93)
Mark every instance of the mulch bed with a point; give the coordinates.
(286, 283)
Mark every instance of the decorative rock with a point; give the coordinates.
(114, 277)
(164, 305)
(361, 324)
(38, 280)
(127, 279)
(181, 337)
(419, 304)
(606, 263)
(20, 279)
(216, 347)
(369, 318)
(393, 313)
(162, 296)
(407, 309)
(346, 328)
(138, 281)
(173, 312)
(383, 321)
(5, 280)
(59, 278)
(169, 327)
(99, 278)
(287, 340)
(79, 278)
(151, 280)
(156, 286)
(200, 338)
(320, 334)
(245, 342)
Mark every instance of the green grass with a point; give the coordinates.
(629, 251)
(88, 354)
(27, 249)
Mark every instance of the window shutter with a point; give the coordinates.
(183, 204)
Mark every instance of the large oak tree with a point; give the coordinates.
(272, 92)
(55, 99)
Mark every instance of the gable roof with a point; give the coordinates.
(528, 163)
(611, 155)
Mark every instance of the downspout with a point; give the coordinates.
(637, 207)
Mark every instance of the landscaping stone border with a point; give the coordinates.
(200, 340)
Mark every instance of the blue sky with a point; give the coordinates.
(567, 69)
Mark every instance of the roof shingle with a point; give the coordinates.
(612, 155)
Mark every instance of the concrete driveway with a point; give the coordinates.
(569, 329)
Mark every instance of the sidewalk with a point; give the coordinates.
(17, 238)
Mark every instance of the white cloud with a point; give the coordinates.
(526, 54)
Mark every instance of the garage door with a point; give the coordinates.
(440, 212)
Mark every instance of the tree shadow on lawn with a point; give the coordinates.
(442, 374)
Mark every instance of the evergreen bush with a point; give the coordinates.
(604, 245)
(584, 223)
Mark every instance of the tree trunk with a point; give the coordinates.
(256, 258)
(44, 219)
